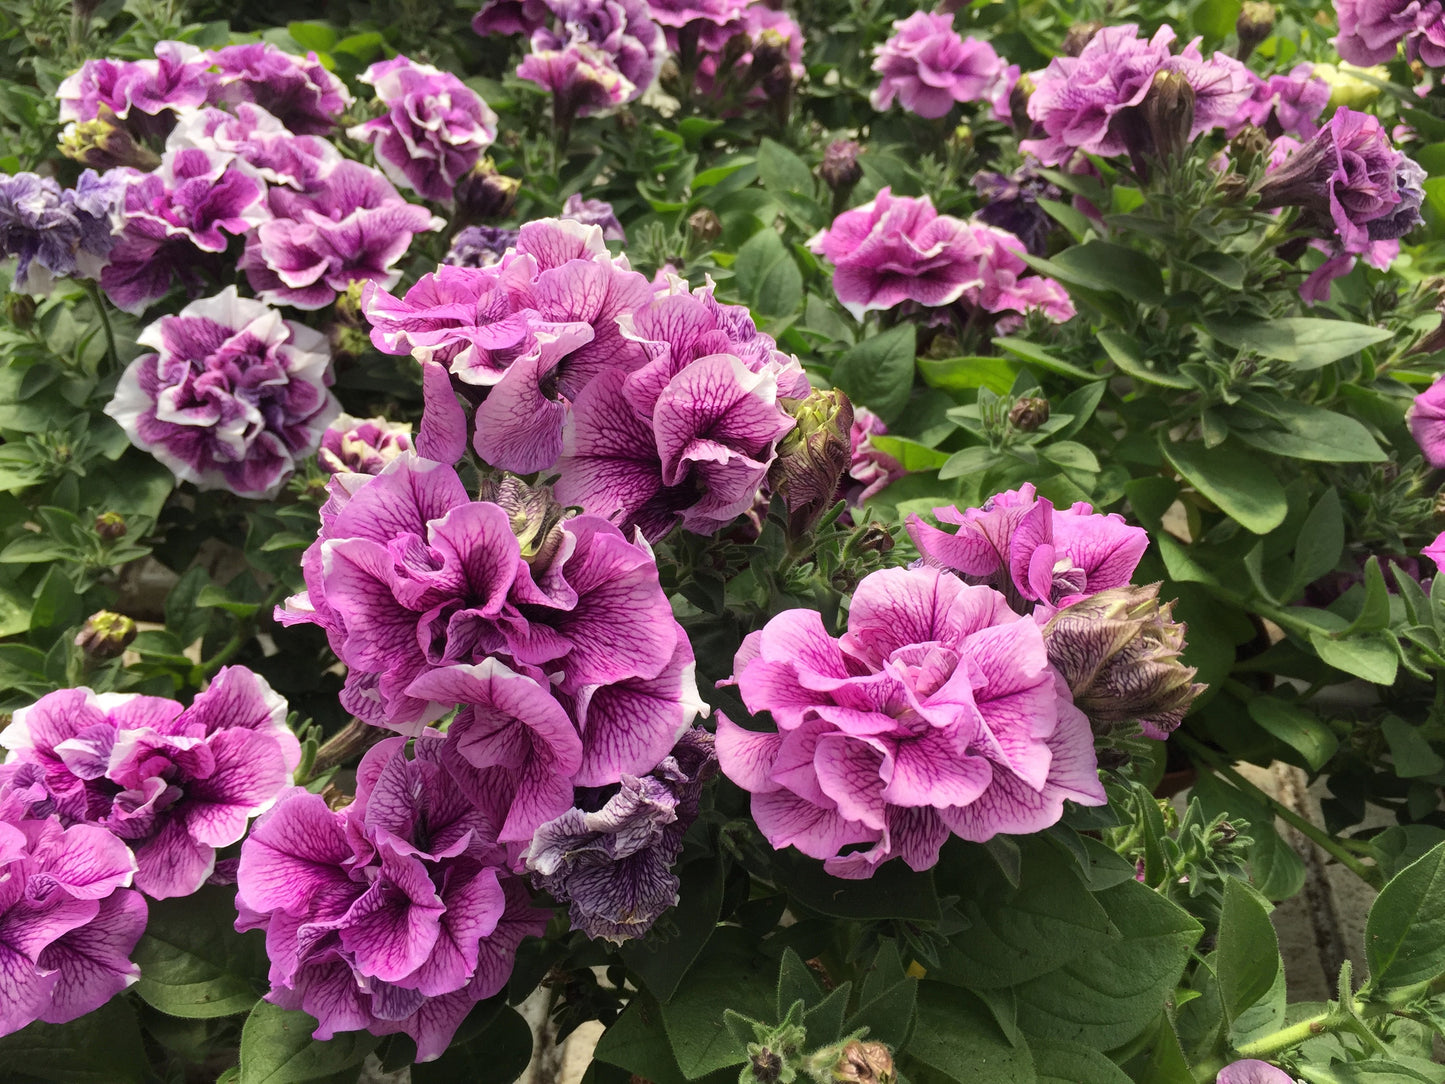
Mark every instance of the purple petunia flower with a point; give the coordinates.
(1426, 418)
(259, 140)
(174, 218)
(936, 713)
(622, 31)
(1084, 102)
(55, 232)
(1435, 551)
(1353, 185)
(688, 437)
(582, 80)
(431, 601)
(522, 338)
(511, 17)
(870, 471)
(481, 246)
(1013, 205)
(1371, 31)
(397, 913)
(760, 54)
(1251, 1071)
(611, 855)
(232, 399)
(174, 783)
(928, 67)
(593, 212)
(146, 94)
(434, 131)
(68, 923)
(298, 91)
(353, 227)
(362, 445)
(1284, 104)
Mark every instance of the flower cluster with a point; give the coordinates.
(928, 67)
(54, 232)
(394, 915)
(936, 713)
(233, 397)
(1371, 31)
(434, 130)
(897, 249)
(1093, 102)
(552, 634)
(146, 94)
(260, 142)
(171, 783)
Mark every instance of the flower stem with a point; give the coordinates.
(98, 301)
(1367, 873)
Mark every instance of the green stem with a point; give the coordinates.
(244, 631)
(1367, 873)
(98, 301)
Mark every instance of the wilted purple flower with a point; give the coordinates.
(354, 227)
(1088, 102)
(396, 914)
(174, 783)
(260, 141)
(146, 94)
(594, 212)
(55, 232)
(481, 246)
(429, 599)
(1284, 104)
(434, 131)
(840, 169)
(1426, 417)
(611, 855)
(1251, 1071)
(234, 397)
(689, 437)
(531, 331)
(937, 712)
(1012, 204)
(483, 193)
(68, 924)
(298, 91)
(870, 471)
(929, 67)
(1037, 556)
(1351, 182)
(174, 217)
(362, 445)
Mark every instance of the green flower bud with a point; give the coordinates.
(20, 309)
(813, 455)
(105, 635)
(1255, 23)
(1169, 113)
(536, 515)
(1119, 652)
(104, 143)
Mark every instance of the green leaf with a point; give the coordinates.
(1100, 265)
(1109, 995)
(1405, 929)
(964, 373)
(1297, 727)
(1375, 609)
(102, 1047)
(193, 963)
(1125, 352)
(1073, 1063)
(31, 549)
(498, 1054)
(1315, 434)
(781, 170)
(957, 1036)
(317, 36)
(767, 275)
(878, 372)
(1223, 268)
(662, 958)
(1371, 656)
(1247, 962)
(1275, 867)
(911, 455)
(796, 982)
(888, 999)
(1308, 342)
(637, 1043)
(1409, 749)
(1034, 355)
(894, 892)
(729, 975)
(973, 460)
(1321, 541)
(277, 1048)
(1235, 480)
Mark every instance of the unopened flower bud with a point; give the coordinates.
(733, 51)
(20, 309)
(770, 53)
(840, 169)
(1255, 23)
(1078, 36)
(105, 634)
(1119, 652)
(962, 138)
(1018, 103)
(104, 143)
(1169, 113)
(766, 1066)
(347, 341)
(705, 225)
(813, 455)
(865, 1063)
(536, 515)
(484, 194)
(1028, 414)
(110, 526)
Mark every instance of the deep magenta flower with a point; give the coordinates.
(1252, 1071)
(1021, 545)
(434, 131)
(1284, 104)
(174, 218)
(1436, 551)
(674, 15)
(511, 17)
(146, 94)
(869, 471)
(689, 437)
(768, 49)
(233, 397)
(937, 712)
(396, 914)
(68, 923)
(353, 226)
(174, 783)
(257, 139)
(54, 232)
(928, 67)
(622, 31)
(298, 91)
(611, 855)
(362, 445)
(1426, 418)
(583, 80)
(1371, 30)
(1350, 181)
